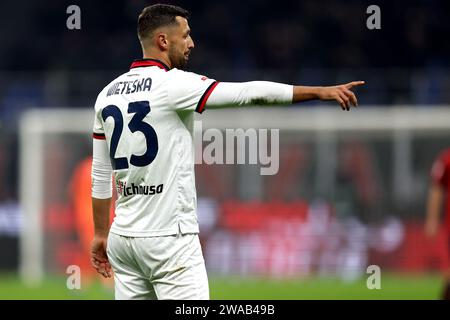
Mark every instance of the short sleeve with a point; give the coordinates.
(189, 91)
(439, 171)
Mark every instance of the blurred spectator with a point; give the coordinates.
(439, 194)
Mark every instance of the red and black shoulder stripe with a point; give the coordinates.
(99, 136)
(202, 102)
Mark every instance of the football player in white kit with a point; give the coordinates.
(143, 133)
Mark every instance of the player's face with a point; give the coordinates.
(181, 44)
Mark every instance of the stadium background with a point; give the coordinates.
(295, 235)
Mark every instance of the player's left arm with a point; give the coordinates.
(227, 94)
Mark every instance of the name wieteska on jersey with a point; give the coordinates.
(127, 87)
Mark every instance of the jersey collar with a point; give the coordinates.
(149, 63)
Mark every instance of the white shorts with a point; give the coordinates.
(166, 267)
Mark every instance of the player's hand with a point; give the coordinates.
(431, 228)
(99, 258)
(341, 93)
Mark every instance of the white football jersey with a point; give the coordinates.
(147, 118)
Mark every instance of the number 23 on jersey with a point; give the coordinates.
(140, 109)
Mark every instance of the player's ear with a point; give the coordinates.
(162, 41)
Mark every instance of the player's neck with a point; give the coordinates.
(158, 56)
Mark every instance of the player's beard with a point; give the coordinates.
(177, 58)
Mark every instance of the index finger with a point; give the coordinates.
(354, 83)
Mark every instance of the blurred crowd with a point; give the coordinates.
(45, 64)
(255, 34)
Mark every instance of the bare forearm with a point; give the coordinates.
(340, 93)
(101, 209)
(434, 203)
(304, 93)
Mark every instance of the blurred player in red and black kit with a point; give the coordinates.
(439, 192)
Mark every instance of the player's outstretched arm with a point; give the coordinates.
(228, 94)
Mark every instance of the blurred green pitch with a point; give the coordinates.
(393, 286)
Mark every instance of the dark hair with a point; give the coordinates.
(158, 15)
